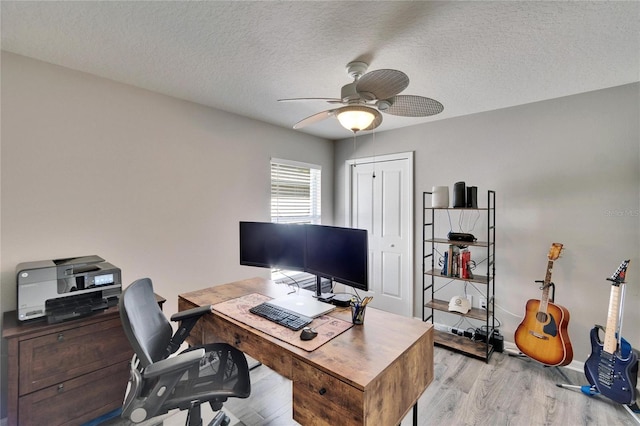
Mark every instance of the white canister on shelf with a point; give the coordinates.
(440, 197)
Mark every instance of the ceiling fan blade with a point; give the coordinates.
(412, 106)
(312, 119)
(382, 84)
(330, 100)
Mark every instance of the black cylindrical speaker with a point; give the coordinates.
(459, 195)
(472, 197)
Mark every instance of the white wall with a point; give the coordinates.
(152, 184)
(565, 170)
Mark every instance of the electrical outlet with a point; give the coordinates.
(482, 303)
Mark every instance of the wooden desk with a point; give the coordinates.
(371, 374)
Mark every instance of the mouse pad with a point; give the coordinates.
(327, 327)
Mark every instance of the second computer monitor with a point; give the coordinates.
(340, 254)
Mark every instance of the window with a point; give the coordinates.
(295, 192)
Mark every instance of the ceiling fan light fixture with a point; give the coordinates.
(355, 118)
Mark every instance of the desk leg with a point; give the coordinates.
(415, 415)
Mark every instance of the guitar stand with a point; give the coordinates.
(589, 390)
(561, 373)
(557, 369)
(553, 289)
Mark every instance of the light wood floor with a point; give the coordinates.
(465, 391)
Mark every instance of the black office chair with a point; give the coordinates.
(159, 383)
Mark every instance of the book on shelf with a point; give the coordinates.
(465, 265)
(445, 263)
(454, 252)
(457, 263)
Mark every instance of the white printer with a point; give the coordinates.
(62, 289)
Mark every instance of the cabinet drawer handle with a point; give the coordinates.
(322, 391)
(61, 337)
(60, 387)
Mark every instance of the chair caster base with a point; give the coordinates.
(221, 419)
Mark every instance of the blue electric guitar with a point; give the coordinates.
(612, 367)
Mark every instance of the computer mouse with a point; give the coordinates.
(308, 333)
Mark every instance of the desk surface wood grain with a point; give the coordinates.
(387, 355)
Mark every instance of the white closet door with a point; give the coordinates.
(381, 201)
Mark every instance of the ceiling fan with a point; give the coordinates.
(369, 94)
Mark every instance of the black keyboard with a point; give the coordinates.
(281, 316)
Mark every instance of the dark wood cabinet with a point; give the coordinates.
(67, 373)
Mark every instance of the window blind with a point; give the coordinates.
(295, 192)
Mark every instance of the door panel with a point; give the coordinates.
(392, 275)
(381, 202)
(363, 202)
(391, 203)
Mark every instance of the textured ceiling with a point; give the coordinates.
(242, 56)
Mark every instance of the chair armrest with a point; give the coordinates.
(188, 320)
(190, 313)
(179, 363)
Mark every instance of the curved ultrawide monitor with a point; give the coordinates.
(272, 245)
(340, 254)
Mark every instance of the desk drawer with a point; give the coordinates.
(76, 401)
(261, 348)
(321, 399)
(57, 357)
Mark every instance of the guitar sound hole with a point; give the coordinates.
(541, 317)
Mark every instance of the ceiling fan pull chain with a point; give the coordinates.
(354, 149)
(374, 153)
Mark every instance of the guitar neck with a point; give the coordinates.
(544, 300)
(610, 341)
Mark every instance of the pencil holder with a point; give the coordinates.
(357, 313)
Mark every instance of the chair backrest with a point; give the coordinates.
(146, 327)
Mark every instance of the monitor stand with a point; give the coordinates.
(323, 297)
(341, 299)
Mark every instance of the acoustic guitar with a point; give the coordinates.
(612, 366)
(542, 334)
